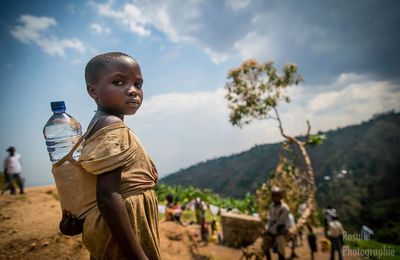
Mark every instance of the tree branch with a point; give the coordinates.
(280, 124)
(308, 130)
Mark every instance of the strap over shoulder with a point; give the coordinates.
(69, 156)
(82, 138)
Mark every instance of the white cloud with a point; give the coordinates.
(179, 21)
(181, 129)
(34, 29)
(351, 99)
(323, 101)
(354, 93)
(96, 28)
(194, 127)
(256, 46)
(130, 16)
(175, 19)
(216, 57)
(237, 4)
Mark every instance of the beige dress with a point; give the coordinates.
(109, 148)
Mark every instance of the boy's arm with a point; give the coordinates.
(112, 208)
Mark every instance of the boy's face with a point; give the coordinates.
(118, 90)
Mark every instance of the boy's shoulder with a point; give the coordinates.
(107, 120)
(103, 121)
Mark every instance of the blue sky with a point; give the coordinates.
(347, 52)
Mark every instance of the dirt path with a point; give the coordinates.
(29, 230)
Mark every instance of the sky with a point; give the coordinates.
(347, 51)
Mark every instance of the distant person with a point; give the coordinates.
(312, 240)
(204, 231)
(169, 216)
(12, 170)
(278, 223)
(329, 213)
(335, 234)
(200, 210)
(173, 210)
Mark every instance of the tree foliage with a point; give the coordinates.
(253, 91)
(184, 195)
(290, 179)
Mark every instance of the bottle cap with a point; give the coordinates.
(57, 106)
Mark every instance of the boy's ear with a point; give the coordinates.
(92, 91)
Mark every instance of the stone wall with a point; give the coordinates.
(240, 230)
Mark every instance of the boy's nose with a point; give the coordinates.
(132, 90)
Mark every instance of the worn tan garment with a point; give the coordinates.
(109, 148)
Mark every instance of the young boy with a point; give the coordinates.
(125, 225)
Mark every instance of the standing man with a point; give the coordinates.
(329, 213)
(335, 234)
(12, 169)
(278, 223)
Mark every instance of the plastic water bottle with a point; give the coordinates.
(61, 132)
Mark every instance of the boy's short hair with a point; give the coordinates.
(98, 63)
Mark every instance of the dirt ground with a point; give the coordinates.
(29, 230)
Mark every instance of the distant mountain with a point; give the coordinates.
(357, 171)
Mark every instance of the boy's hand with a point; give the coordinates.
(70, 225)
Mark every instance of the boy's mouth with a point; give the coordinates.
(133, 101)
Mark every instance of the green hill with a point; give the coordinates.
(357, 172)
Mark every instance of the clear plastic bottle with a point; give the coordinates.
(61, 132)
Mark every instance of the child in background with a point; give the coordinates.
(169, 208)
(173, 210)
(125, 223)
(204, 231)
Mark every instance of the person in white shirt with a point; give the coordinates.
(278, 222)
(335, 234)
(12, 169)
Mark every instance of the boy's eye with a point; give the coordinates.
(118, 82)
(138, 85)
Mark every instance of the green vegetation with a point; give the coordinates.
(356, 172)
(184, 195)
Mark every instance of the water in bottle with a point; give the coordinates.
(61, 132)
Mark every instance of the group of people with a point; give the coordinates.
(173, 213)
(12, 172)
(276, 235)
(280, 220)
(125, 174)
